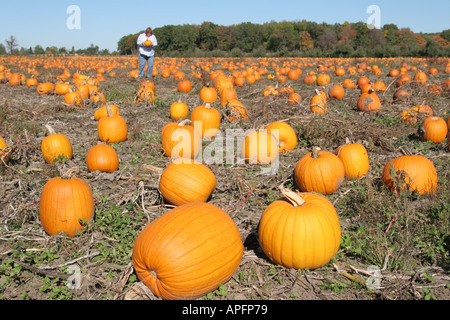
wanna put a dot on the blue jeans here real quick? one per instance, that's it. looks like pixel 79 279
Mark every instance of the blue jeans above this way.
pixel 142 61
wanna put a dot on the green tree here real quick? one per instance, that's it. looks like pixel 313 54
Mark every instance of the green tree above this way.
pixel 248 36
pixel 284 37
pixel 446 34
pixel 207 36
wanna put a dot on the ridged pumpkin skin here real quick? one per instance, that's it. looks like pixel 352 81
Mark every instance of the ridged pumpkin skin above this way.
pixel 103 112
pixel 355 159
pixel 180 140
pixel 207 119
pixel 102 157
pixel 112 128
pixel 55 146
pixel 416 172
pixel 186 180
pixel 179 110
pixel 319 171
pixel 433 129
pixel 63 203
pixel 303 236
pixel 259 147
pixel 188 251
pixel 285 134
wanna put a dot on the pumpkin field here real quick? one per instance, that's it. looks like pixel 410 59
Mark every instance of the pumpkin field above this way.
pixel 309 178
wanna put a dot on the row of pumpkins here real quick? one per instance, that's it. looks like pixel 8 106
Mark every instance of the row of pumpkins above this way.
pixel 191 249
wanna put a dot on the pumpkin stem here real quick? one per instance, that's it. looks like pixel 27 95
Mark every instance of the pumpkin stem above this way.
pixel 50 129
pixel 208 105
pixel 347 140
pixel 184 122
pixel 315 152
pixel 152 168
pixel 292 196
pixel 68 173
pixel 109 110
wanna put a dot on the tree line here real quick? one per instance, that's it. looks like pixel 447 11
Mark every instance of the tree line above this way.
pixel 299 38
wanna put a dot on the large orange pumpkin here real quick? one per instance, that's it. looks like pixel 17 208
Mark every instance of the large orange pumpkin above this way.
pixel 188 251
pixel 300 231
pixel 66 205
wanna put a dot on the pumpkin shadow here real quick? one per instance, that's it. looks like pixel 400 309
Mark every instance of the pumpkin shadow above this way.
pixel 251 243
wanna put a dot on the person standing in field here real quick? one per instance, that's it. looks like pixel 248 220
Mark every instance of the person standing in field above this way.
pixel 146 43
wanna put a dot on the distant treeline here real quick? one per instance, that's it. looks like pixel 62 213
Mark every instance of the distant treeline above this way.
pixel 299 38
pixel 302 38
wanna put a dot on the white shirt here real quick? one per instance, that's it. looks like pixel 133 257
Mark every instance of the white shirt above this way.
pixel 147 51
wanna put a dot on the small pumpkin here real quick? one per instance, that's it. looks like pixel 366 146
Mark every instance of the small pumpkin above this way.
pixel 178 110
pixel 355 159
pixel 184 86
pixel 433 129
pixel 102 157
pixel 420 78
pixel 73 99
pixel 323 79
pixel 294 98
pixel 319 171
pixel 369 102
pixel 285 135
pixel 63 88
pixel 56 147
pixel 45 88
pixel 112 128
pixel 318 103
pixel 148 43
pixel 66 205
pixel 336 92
pixel 259 147
pixel 414 172
pixel 185 180
pixel 300 231
pixel 188 251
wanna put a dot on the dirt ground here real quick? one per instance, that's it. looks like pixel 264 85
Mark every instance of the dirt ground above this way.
pixel 34 264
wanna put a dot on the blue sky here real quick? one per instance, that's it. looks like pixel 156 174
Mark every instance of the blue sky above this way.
pixel 103 23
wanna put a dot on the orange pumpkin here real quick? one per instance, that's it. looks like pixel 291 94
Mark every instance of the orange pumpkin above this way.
pixel 336 92
pixel 178 110
pixel 66 205
pixel 4 151
pixel 285 135
pixel 56 147
pixel 259 147
pixel 369 102
pixel 102 157
pixel 413 172
pixel 112 128
pixel 206 119
pixel 181 140
pixel 355 159
pixel 185 180
pixel 188 251
pixel 433 129
pixel 319 171
pixel 313 226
